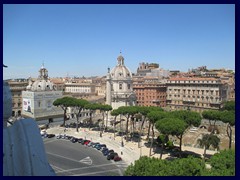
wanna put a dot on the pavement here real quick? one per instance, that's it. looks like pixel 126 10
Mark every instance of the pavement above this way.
pixel 129 152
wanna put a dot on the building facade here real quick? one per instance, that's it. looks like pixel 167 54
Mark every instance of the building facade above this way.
pixel 119 86
pixel 150 93
pixel 39 97
pixel 197 94
pixel 16 87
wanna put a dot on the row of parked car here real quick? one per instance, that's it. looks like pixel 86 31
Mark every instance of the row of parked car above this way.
pixel 109 153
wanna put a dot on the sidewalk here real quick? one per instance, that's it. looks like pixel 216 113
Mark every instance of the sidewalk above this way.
pixel 129 153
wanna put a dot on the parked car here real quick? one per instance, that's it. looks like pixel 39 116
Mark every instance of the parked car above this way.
pixel 90 144
pixel 73 139
pixel 107 151
pixel 86 142
pixel 117 158
pixel 68 137
pixel 80 140
pixel 95 144
pixel 100 146
pixel 104 149
pixel 111 156
pixel 50 135
pixel 59 136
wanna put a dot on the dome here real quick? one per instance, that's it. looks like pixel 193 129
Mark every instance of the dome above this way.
pixel 42 85
pixel 120 72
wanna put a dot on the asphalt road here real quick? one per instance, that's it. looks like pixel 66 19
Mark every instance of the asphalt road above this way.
pixel 74 159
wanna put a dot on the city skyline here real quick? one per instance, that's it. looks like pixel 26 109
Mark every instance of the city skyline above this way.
pixel 84 40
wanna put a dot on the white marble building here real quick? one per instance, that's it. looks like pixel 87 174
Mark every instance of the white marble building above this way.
pixel 119 86
pixel 37 100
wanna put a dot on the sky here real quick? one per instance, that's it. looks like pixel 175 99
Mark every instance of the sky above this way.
pixel 84 40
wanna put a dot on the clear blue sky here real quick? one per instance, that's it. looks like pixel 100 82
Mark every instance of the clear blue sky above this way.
pixel 84 40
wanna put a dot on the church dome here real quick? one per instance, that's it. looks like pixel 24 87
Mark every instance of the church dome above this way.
pixel 42 83
pixel 120 71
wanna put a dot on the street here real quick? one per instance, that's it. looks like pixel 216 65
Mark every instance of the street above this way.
pixel 74 159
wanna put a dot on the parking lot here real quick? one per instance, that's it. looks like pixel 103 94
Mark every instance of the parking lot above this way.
pixel 75 159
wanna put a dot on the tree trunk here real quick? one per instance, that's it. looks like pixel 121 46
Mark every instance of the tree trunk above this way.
pixel 180 143
pixel 106 121
pixel 64 116
pixel 204 153
pixel 149 127
pixel 161 153
pixel 90 120
pixel 151 141
pixel 142 123
pixel 77 122
pixel 102 123
pixel 114 127
pixel 127 128
pixel 229 133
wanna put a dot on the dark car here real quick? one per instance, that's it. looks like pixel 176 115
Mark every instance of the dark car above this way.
pixel 100 146
pixel 73 139
pixel 117 158
pixel 51 135
pixel 68 137
pixel 104 149
pixel 111 156
pixel 108 152
pixel 80 140
pixel 95 144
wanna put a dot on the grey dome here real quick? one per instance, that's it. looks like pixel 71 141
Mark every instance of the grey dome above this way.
pixel 42 85
pixel 120 71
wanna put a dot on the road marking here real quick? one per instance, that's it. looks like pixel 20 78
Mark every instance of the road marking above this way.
pixel 84 174
pixel 62 157
pixel 75 169
pixel 57 169
pixel 86 160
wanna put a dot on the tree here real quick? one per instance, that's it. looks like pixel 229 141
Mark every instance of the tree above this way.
pixel 91 107
pixel 229 106
pixel 223 163
pixel 172 126
pixel 115 113
pixel 64 103
pixel 150 109
pixel 79 105
pixel 153 117
pixel 207 141
pixel 128 112
pixel 190 117
pixel 229 118
pixel 104 108
pixel 146 166
pixel 212 115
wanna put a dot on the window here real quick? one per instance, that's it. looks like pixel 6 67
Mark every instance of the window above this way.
pixel 120 86
pixel 129 86
pixel 49 104
pixel 39 103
